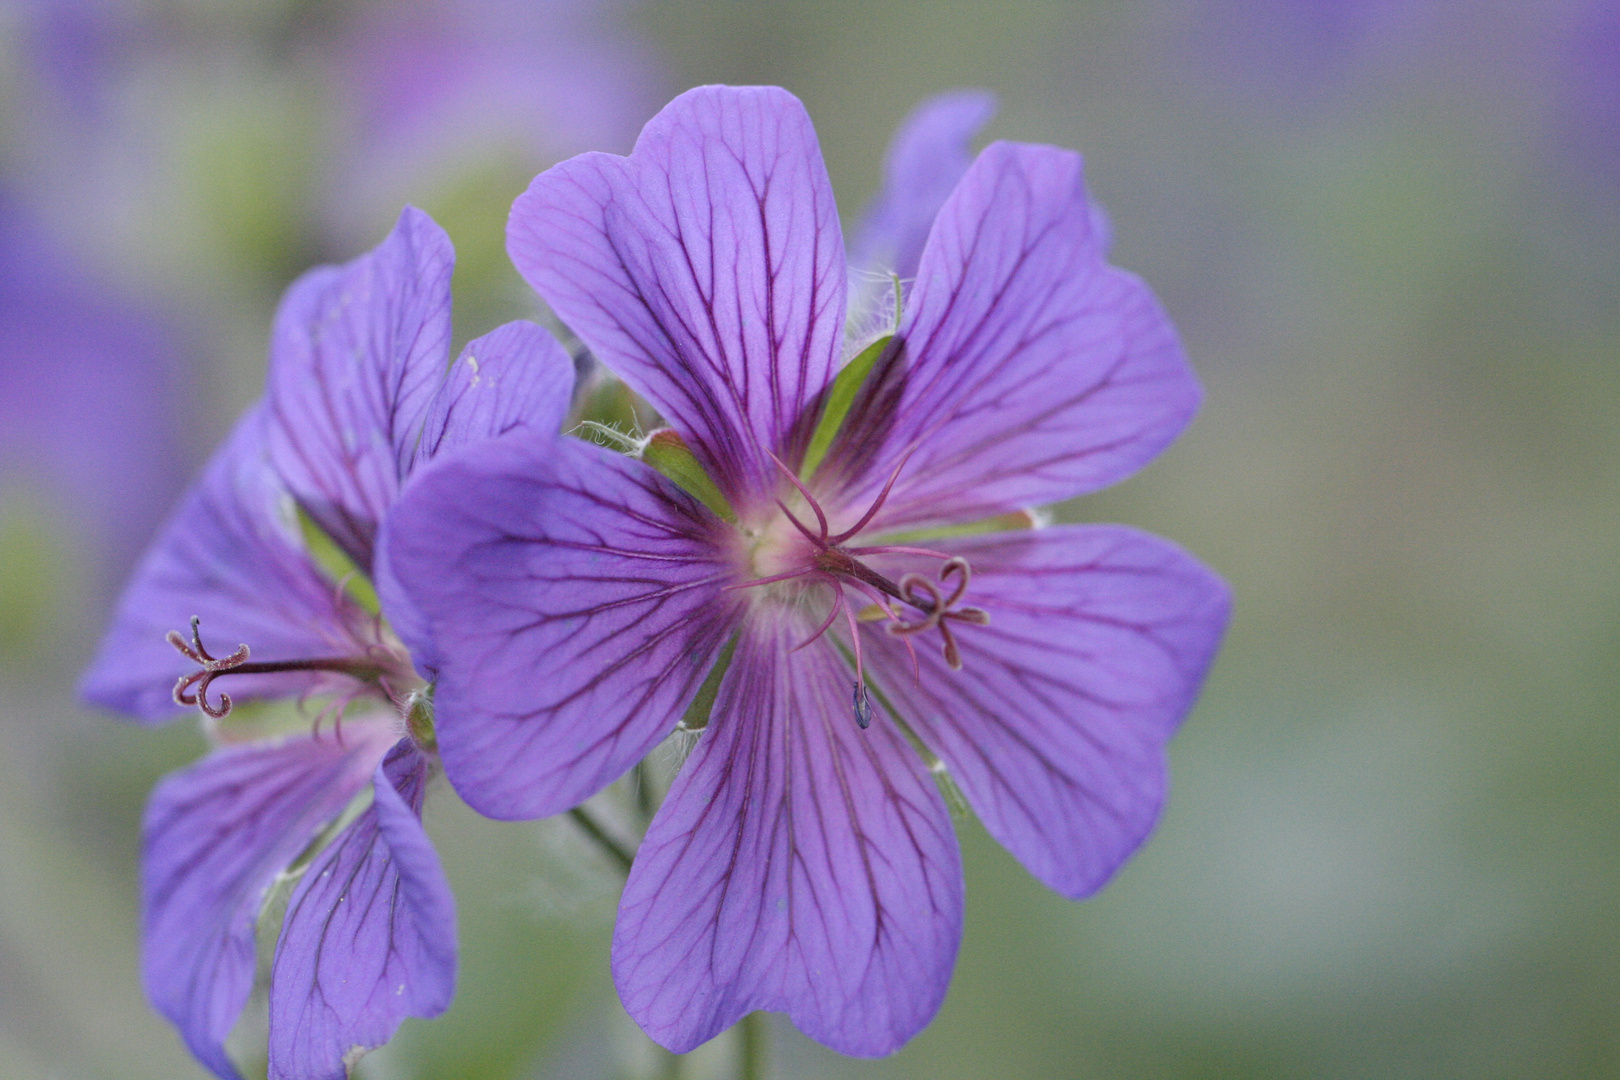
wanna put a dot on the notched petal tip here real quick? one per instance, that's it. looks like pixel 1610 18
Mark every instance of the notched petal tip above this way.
pixel 799 864
pixel 707 270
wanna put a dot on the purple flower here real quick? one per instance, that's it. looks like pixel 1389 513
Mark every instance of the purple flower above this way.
pixel 89 393
pixel 843 597
pixel 357 398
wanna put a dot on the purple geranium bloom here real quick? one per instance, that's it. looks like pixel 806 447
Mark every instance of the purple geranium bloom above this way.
pixel 357 398
pixel 808 599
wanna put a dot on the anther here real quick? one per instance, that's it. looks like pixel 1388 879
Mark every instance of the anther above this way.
pixel 863 706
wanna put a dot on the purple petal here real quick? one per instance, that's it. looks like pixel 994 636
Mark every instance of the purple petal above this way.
pixel 516 377
pixel 357 353
pixel 1031 371
pixel 574 597
pixel 928 156
pixel 229 557
pixel 798 864
pixel 370 934
pixel 706 269
pixel 215 835
pixel 1055 727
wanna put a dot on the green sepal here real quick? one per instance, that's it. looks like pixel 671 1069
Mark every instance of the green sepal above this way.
pixel 336 564
pixel 840 397
pixel 1015 521
pixel 696 717
pixel 666 451
pixel 419 717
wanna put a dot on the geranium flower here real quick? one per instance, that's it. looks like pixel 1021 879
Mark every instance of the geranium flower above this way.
pixel 842 596
pixel 357 398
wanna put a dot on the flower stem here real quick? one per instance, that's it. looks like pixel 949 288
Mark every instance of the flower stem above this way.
pixel 594 830
pixel 669 1065
pixel 751 1047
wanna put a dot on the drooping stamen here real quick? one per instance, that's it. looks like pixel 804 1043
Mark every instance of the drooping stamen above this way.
pixel 821 518
pixel 237 664
pixel 863 702
pixel 837 606
pixel 877 503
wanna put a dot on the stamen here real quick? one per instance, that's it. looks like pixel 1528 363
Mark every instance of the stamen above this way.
pixel 863 706
pixel 863 703
pixel 809 498
pixel 838 605
pixel 878 503
pixel 819 541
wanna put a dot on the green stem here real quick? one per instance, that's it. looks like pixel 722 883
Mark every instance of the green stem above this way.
pixel 751 1047
pixel 669 1065
pixel 644 795
pixel 594 830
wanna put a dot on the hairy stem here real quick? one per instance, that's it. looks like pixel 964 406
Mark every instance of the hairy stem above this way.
pixel 751 1047
pixel 592 828
pixel 668 1064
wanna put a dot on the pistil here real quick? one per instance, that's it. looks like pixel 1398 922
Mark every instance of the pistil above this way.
pixel 830 563
pixel 237 663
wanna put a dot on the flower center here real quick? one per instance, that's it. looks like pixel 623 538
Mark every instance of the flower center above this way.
pixel 786 555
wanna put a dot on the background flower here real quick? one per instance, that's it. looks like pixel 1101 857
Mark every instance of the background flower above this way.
pixel 358 395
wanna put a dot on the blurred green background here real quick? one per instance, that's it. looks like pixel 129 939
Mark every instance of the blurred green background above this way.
pixel 1390 236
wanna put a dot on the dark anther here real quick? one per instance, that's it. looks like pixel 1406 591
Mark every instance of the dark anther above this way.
pixel 863 706
pixel 212 669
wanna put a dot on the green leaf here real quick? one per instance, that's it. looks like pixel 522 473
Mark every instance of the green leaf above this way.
pixel 839 399
pixel 666 451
